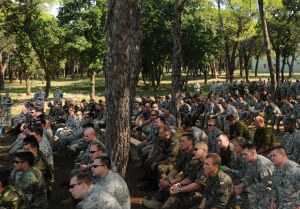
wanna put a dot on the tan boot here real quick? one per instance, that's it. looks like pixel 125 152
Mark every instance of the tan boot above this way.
pixel 153 204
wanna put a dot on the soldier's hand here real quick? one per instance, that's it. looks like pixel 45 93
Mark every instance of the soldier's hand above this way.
pixel 163 184
pixel 273 204
pixel 174 189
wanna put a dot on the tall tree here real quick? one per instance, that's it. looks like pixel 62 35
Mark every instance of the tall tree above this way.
pixel 177 59
pixel 118 82
pixel 267 45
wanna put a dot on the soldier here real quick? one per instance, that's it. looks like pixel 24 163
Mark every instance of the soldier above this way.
pixel 6 105
pixel 219 191
pixel 198 134
pixel 286 180
pixel 244 109
pixel 30 180
pixel 11 197
pixel 183 191
pixel 237 128
pixel 271 111
pixel 213 132
pixel 296 110
pixel 170 120
pixel 57 95
pixel 40 162
pixel 258 178
pixel 263 138
pixel 111 181
pixel 286 112
pixel 226 152
pixel 91 196
pixel 228 109
pixel 39 97
pixel 197 89
pixel 208 111
pixel 291 140
pixel 184 109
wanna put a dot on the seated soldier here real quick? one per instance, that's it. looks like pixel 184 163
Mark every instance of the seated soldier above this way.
pixel 237 128
pixel 198 134
pixel 11 197
pixel 219 191
pixel 185 191
pixel 263 138
pixel 163 153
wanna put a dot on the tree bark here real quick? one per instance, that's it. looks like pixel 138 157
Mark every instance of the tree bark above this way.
pixel 177 61
pixel 3 66
pixel 291 65
pixel 28 86
pixel 135 49
pixel 92 84
pixel 118 82
pixel 267 45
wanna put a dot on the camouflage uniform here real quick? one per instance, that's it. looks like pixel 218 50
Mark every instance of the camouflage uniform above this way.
pixel 6 105
pixel 57 96
pixel 286 185
pixel 239 129
pixel 13 198
pixel 41 163
pixel 296 113
pixel 237 169
pixel 244 110
pixel 228 156
pixel 39 99
pixel 194 172
pixel 258 181
pixel 271 112
pixel 263 138
pixel 291 142
pixel 287 111
pixel 116 185
pixel 98 198
pixel 212 141
pixel 198 134
pixel 32 183
pixel 230 109
pixel 171 121
pixel 46 149
pixel 208 111
pixel 218 192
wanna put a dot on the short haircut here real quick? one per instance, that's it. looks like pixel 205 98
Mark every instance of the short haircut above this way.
pixel 5 178
pixel 105 160
pixel 99 145
pixel 188 135
pixel 223 134
pixel 249 146
pixel 155 112
pixel 291 120
pixel 88 125
pixel 203 145
pixel 91 130
pixel 280 149
pixel 187 124
pixel 240 141
pixel 26 157
pixel 32 141
pixel 162 118
pixel 83 178
pixel 216 159
pixel 90 114
pixel 230 117
pixel 38 130
pixel 260 119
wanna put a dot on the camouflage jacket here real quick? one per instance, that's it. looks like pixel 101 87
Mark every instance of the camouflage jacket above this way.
pixel 98 198
pixel 291 142
pixel 13 198
pixel 32 183
pixel 116 185
pixel 286 184
pixel 218 191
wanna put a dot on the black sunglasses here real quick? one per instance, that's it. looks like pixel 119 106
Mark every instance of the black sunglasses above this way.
pixel 95 166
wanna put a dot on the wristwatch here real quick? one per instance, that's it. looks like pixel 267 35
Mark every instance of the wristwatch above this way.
pixel 180 189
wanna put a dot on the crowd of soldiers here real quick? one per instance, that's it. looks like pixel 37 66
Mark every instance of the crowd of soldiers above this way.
pixel 216 162
pixel 69 130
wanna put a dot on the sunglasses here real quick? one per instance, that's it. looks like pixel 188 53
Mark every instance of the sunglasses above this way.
pixel 92 152
pixel 17 162
pixel 95 166
pixel 196 149
pixel 210 125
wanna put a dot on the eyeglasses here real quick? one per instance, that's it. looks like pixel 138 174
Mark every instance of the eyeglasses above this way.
pixel 153 115
pixel 211 125
pixel 17 162
pixel 196 149
pixel 73 185
pixel 92 152
pixel 31 112
pixel 95 166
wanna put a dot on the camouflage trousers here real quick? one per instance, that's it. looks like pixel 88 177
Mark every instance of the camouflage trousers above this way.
pixel 182 200
pixel 259 199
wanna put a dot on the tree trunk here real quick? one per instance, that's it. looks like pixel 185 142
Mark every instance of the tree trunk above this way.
pixel 28 86
pixel 256 64
pixel 177 60
pixel 267 45
pixel 277 67
pixel 291 65
pixel 135 52
pixel 283 66
pixel 241 60
pixel 92 84
pixel 3 66
pixel 118 82
pixel 48 85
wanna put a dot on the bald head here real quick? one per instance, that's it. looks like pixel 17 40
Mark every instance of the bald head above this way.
pixel 90 134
